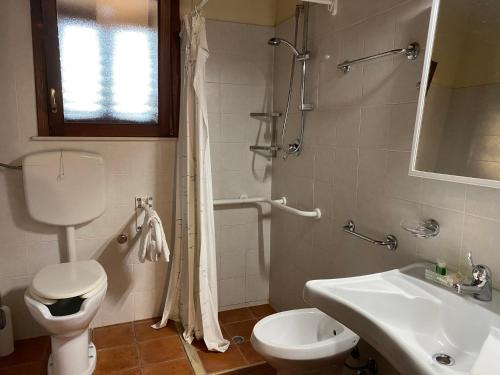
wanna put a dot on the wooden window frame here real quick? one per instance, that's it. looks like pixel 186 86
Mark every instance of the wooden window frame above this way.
pixel 48 76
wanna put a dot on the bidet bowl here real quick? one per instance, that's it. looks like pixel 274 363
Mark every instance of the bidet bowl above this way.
pixel 301 341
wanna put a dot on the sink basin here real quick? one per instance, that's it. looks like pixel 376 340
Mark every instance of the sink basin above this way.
pixel 409 319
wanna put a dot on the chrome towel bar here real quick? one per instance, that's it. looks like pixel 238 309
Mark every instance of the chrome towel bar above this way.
pixel 411 53
pixel 391 242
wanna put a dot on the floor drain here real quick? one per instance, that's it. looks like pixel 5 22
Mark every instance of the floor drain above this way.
pixel 443 359
pixel 238 339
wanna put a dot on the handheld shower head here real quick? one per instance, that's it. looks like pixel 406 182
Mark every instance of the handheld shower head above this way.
pixel 277 41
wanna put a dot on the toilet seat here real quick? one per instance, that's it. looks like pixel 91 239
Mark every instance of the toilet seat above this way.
pixel 68 280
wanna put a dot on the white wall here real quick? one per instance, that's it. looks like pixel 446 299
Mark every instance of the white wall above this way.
pixel 133 168
pixel 239 75
pixel 239 81
pixel 356 158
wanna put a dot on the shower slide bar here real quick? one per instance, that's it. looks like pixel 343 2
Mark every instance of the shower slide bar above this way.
pixel 278 203
pixel 411 52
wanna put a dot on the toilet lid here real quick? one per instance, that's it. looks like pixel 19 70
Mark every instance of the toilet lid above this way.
pixel 68 280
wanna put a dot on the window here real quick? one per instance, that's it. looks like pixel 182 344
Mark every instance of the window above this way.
pixel 106 67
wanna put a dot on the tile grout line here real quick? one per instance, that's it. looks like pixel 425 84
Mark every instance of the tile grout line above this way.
pixel 191 353
pixel 236 369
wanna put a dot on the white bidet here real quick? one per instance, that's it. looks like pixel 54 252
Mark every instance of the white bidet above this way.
pixel 304 341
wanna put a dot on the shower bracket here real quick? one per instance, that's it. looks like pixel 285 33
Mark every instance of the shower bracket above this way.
pixel 304 107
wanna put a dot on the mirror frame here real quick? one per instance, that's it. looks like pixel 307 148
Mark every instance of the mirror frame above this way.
pixel 420 112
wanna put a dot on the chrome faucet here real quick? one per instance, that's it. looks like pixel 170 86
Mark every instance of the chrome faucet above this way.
pixel 481 285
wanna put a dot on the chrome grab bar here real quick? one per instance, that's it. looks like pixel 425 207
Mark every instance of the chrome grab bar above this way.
pixel 391 242
pixel 411 53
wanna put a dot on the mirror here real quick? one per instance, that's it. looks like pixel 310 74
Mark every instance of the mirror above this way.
pixel 457 133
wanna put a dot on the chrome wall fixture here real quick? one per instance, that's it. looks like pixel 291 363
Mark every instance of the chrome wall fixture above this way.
pixel 411 52
pixel 390 241
pixel 299 55
pixel 140 203
pixel 274 147
pixel 422 228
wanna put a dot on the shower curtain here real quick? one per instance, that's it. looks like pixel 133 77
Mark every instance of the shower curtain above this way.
pixel 192 290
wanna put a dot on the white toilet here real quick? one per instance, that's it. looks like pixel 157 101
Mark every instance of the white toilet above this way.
pixel 304 341
pixel 66 188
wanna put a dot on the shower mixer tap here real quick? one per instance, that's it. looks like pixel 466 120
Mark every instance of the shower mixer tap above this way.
pixel 292 149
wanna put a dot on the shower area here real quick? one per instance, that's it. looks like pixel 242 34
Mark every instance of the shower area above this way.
pixel 308 117
pixel 258 103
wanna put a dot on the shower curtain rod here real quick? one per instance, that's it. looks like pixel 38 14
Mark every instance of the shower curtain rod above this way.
pixel 278 203
pixel 332 5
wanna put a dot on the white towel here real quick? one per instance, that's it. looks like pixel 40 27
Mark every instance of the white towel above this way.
pixel 153 244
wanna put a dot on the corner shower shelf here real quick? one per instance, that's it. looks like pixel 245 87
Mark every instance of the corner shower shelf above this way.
pixel 278 203
pixel 273 148
pixel 268 115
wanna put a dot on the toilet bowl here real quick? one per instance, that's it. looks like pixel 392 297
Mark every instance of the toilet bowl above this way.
pixel 64 298
pixel 304 341
pixel 66 189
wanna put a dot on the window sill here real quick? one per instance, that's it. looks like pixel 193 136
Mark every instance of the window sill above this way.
pixel 102 139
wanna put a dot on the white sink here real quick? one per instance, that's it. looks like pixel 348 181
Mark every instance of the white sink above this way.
pixel 408 319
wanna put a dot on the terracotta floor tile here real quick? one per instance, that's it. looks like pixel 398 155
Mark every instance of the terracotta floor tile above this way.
pixel 133 371
pixel 199 344
pixel 176 367
pixel 116 359
pixel 249 353
pixel 263 369
pixel 232 316
pixel 31 350
pixel 144 331
pixel 108 337
pixel 34 368
pixel 240 329
pixel 262 311
pixel 160 350
pixel 215 362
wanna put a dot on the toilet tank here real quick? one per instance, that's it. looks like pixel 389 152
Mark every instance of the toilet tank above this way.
pixel 64 188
